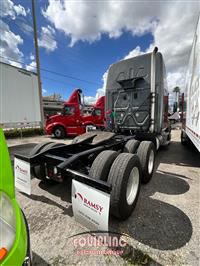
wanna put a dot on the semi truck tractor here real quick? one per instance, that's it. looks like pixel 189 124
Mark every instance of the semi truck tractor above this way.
pixel 191 97
pixel 115 161
pixel 72 121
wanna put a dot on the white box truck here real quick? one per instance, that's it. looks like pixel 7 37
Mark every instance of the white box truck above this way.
pixel 191 97
pixel 19 97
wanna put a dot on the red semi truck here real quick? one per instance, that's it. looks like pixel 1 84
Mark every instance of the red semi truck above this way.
pixel 72 121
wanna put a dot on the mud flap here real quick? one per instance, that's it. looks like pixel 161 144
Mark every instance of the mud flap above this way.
pixel 90 206
pixel 90 203
pixel 22 170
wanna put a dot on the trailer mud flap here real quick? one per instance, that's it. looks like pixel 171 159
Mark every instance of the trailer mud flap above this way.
pixel 22 176
pixel 90 206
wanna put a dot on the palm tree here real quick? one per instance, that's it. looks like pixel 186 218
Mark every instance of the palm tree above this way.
pixel 177 91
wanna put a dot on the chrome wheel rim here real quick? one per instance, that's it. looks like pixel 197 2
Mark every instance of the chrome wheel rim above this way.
pixel 57 133
pixel 132 186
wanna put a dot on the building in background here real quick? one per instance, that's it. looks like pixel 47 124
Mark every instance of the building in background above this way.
pixel 52 104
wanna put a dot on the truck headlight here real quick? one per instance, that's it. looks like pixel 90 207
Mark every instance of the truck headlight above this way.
pixel 7 225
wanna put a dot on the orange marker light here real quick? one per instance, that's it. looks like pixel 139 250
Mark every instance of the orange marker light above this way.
pixel 3 252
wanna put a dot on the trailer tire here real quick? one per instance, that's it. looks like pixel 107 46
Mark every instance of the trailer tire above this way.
pixel 131 146
pixel 124 177
pixel 146 153
pixel 40 169
pixel 59 132
pixel 101 165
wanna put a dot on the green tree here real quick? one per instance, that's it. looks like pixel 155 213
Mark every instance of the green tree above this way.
pixel 177 91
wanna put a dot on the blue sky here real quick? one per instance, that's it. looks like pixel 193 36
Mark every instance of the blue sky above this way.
pixel 81 39
pixel 87 61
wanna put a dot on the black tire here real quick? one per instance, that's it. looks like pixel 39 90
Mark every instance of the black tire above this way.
pixel 118 177
pixel 131 146
pixel 34 151
pixel 144 151
pixel 59 132
pixel 101 165
pixel 39 170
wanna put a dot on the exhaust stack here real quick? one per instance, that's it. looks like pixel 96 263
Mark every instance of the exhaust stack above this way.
pixel 153 88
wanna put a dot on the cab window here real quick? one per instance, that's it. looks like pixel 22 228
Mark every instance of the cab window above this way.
pixel 97 112
pixel 69 110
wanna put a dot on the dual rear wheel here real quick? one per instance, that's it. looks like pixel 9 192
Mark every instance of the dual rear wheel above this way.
pixel 123 173
pixel 146 151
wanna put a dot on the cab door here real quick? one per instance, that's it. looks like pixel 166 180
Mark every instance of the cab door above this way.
pixel 69 115
pixel 98 116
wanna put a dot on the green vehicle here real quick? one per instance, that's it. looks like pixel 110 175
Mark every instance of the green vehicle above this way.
pixel 14 232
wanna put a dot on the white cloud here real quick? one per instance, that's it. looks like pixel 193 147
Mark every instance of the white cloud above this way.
pixel 32 57
pixel 8 8
pixel 172 25
pixel 44 91
pixel 10 42
pixel 47 40
pixel 89 99
pixel 100 92
pixel 31 66
pixel 9 45
pixel 86 21
pixel 28 11
pixel 135 52
pixel 20 10
pixel 176 79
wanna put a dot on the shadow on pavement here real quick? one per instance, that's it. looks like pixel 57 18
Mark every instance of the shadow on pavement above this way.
pixel 159 225
pixel 66 211
pixel 156 223
pixel 179 155
pixel 37 260
pixel 166 183
pixel 61 190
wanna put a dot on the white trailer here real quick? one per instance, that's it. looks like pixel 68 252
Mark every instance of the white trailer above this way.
pixel 191 119
pixel 19 97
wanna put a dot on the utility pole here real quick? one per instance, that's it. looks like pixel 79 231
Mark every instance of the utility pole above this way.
pixel 37 63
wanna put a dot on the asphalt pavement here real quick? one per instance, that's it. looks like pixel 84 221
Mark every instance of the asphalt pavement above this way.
pixel 163 228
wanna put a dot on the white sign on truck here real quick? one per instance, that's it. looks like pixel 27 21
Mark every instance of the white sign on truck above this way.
pixel 90 206
pixel 22 176
pixel 19 97
pixel 192 92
